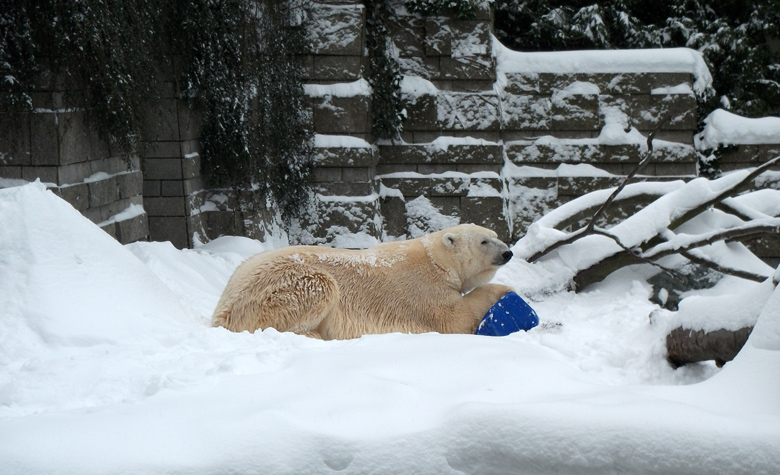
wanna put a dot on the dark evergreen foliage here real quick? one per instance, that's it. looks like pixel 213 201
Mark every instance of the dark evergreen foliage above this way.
pixel 738 39
pixel 240 70
pixel 383 74
pixel 463 9
pixel 103 53
pixel 237 59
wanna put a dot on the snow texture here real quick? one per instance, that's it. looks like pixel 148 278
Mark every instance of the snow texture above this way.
pixel 108 365
pixel 724 128
pixel 666 60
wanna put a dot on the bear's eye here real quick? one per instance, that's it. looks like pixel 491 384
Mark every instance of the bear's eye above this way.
pixel 484 242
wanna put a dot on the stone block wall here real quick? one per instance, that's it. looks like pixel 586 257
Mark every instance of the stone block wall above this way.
pixel 481 143
pixel 53 144
pixel 478 145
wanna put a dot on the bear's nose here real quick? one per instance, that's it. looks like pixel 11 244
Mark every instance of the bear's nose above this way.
pixel 507 255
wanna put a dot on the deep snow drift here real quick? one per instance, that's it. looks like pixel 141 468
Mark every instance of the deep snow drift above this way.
pixel 108 365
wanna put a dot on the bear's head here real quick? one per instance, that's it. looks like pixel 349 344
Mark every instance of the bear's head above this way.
pixel 471 252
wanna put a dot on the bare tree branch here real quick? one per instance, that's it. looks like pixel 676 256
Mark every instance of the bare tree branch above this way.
pixel 748 230
pixel 603 208
pixel 700 259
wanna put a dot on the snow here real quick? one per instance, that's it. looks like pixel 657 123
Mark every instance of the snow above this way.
pixel 343 89
pixel 108 365
pixel 666 60
pixel 725 128
pixel 339 141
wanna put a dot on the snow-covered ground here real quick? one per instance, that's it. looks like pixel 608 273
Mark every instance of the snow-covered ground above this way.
pixel 108 365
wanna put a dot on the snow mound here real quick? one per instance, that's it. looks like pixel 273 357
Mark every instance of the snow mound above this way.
pixel 725 128
pixel 108 365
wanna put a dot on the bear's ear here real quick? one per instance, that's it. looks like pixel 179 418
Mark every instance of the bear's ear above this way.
pixel 449 240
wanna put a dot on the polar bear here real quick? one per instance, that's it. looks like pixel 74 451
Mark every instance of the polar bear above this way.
pixel 436 283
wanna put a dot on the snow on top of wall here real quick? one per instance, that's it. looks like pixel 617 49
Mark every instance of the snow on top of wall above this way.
pixel 416 86
pixel 339 141
pixel 725 128
pixel 667 60
pixel 344 89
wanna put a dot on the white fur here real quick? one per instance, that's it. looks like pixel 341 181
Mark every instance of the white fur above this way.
pixel 412 286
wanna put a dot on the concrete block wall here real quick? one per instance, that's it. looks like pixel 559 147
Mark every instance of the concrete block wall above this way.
pixel 476 147
pixel 55 145
pixel 495 153
pixel 171 170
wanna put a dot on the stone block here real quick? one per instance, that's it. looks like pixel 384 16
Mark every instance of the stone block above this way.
pixel 189 122
pixel 171 188
pixel 646 83
pixel 336 68
pixel 344 189
pixel 675 169
pixel 11 172
pixel 473 68
pixel 468 111
pixel 674 153
pixel 421 112
pixel 434 168
pixel 438 36
pixel 519 84
pixel 648 111
pixel 526 112
pixel 220 223
pixel 393 209
pixel 428 67
pixel 447 205
pixel 345 156
pixel 341 115
pixel 162 149
pixel 164 206
pixel 327 175
pixel 433 154
pixel 130 184
pixel 152 188
pixel 336 29
pixel 45 174
pixel 389 169
pixel 193 185
pixel 407 34
pixel 110 229
pixel 621 153
pixel 173 229
pixel 471 168
pixel 581 185
pixel 337 218
pixel 450 186
pixel 163 122
pixel 102 192
pixel 767 152
pixel 747 154
pixel 306 62
pixel 487 212
pixel 133 229
pixel 15 142
pixel 77 195
pixel 44 139
pixel 190 165
pixel 74 173
pixel 114 165
pixel 412 187
pixel 471 39
pixel 357 175
pixel 574 112
pixel 162 169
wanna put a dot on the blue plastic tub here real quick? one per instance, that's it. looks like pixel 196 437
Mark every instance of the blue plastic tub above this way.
pixel 509 315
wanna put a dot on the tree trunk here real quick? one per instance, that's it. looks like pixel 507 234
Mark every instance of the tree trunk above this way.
pixel 688 346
